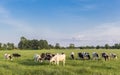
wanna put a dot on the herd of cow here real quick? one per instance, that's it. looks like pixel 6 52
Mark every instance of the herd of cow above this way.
pixel 56 58
pixel 52 58
pixel 95 56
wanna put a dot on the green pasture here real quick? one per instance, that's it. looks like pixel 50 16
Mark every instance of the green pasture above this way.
pixel 25 65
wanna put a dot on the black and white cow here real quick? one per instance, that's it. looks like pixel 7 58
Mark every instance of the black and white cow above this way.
pixel 72 55
pixel 16 55
pixel 95 56
pixel 84 55
pixel 37 58
pixel 8 56
pixel 105 56
pixel 43 56
pixel 113 56
pixel 80 55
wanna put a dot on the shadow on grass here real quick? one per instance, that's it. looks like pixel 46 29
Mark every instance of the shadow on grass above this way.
pixel 30 62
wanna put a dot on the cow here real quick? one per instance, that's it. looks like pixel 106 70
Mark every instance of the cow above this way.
pixel 113 56
pixel 46 56
pixel 95 56
pixel 37 58
pixel 80 55
pixel 105 56
pixel 43 56
pixel 84 55
pixel 72 55
pixel 58 58
pixel 16 55
pixel 8 56
pixel 49 56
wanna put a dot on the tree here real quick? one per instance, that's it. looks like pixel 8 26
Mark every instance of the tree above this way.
pixel 43 44
pixel 107 46
pixel 34 44
pixel 71 46
pixel 23 44
pixel 46 46
pixel 57 46
pixel 4 47
pixel 10 46
pixel 97 47
pixel 51 46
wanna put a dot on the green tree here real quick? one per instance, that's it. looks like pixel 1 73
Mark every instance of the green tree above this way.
pixel 57 46
pixel 107 46
pixel 4 47
pixel 34 44
pixel 23 44
pixel 117 46
pixel 71 46
pixel 97 47
pixel 10 46
pixel 43 44
pixel 51 46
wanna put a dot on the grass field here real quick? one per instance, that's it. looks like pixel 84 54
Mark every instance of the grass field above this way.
pixel 25 65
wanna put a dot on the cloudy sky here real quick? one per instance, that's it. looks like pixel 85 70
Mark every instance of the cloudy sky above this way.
pixel 82 22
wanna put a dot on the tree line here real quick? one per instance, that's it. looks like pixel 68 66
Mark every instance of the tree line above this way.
pixel 34 44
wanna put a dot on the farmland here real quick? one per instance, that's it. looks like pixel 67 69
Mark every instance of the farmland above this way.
pixel 25 65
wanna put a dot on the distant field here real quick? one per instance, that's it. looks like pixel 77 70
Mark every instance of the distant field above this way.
pixel 25 65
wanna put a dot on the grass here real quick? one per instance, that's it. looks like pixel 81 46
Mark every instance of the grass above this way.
pixel 25 65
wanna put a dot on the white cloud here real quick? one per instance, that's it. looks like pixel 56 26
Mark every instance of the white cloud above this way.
pixel 20 28
pixel 102 34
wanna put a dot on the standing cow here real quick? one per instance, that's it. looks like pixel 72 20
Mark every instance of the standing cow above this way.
pixel 7 56
pixel 37 58
pixel 84 55
pixel 58 58
pixel 80 55
pixel 95 56
pixel 105 56
pixel 72 55
pixel 16 55
pixel 113 56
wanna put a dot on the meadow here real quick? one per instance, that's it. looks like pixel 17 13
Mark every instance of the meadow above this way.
pixel 25 65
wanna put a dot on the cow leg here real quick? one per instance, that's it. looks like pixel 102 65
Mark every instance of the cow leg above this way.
pixel 72 56
pixel 105 58
pixel 57 62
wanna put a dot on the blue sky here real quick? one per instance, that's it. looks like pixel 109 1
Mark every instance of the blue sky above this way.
pixel 82 22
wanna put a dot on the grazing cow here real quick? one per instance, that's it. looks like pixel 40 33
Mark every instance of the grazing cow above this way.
pixel 113 56
pixel 37 58
pixel 7 56
pixel 43 55
pixel 57 58
pixel 16 55
pixel 95 56
pixel 80 55
pixel 49 56
pixel 105 56
pixel 84 56
pixel 46 56
pixel 72 55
